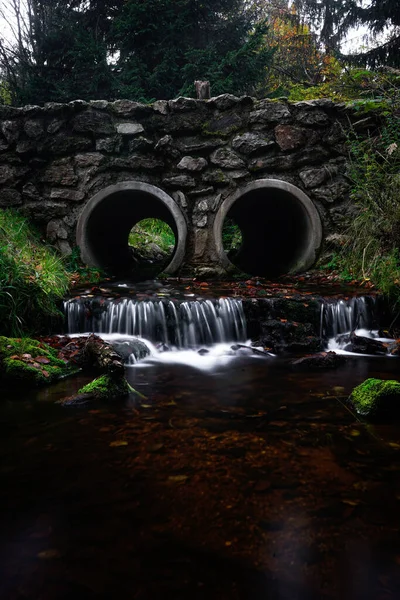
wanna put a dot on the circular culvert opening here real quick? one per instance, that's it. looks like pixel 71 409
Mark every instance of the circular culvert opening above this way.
pixel 106 222
pixel 280 226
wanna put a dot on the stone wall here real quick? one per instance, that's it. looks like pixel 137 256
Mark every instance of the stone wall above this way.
pixel 53 159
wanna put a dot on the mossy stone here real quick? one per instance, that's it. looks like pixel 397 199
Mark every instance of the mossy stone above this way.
pixel 28 360
pixel 106 387
pixel 376 398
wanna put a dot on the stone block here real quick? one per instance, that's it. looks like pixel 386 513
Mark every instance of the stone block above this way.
pixel 270 112
pixel 110 145
pixel 33 128
pixel 274 163
pixel 90 159
pixel 55 125
pixel 250 143
pixel 199 220
pixel 10 197
pixel 127 108
pixel 180 198
pixel 223 124
pixel 179 181
pixel 216 177
pixel 289 137
pixel 140 143
pixel 10 130
pixel 182 104
pixel 312 117
pixel 66 194
pixel 312 178
pixel 223 102
pixel 223 157
pixel 335 190
pixel 55 230
pixel 60 173
pixel 161 106
pixel 129 128
pixel 198 144
pixel 7 174
pixel 92 121
pixel 188 163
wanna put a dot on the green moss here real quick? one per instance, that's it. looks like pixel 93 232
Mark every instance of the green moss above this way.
pixel 106 388
pixel 18 361
pixel 375 398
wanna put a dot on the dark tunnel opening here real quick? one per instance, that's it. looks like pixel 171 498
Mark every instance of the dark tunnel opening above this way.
pixel 281 229
pixel 107 219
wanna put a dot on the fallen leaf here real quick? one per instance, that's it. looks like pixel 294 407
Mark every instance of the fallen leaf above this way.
pixel 177 478
pixel 118 443
pixel 49 554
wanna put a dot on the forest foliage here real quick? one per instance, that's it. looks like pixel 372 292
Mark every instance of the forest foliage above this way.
pixel 60 50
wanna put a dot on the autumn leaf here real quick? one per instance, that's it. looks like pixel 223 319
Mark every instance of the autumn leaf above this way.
pixel 118 443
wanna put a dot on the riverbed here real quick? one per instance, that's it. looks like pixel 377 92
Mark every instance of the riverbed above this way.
pixel 235 479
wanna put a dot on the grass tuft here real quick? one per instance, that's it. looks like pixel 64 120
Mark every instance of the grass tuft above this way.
pixel 32 279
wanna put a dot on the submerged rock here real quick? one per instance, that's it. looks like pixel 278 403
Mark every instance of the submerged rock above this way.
pixel 322 360
pixel 375 399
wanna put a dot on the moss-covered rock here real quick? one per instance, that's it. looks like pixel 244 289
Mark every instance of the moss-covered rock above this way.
pixel 106 387
pixel 28 360
pixel 375 399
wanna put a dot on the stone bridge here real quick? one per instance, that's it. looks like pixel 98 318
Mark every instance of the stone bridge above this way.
pixel 85 173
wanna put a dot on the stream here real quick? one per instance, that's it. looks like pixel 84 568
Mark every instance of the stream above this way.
pixel 236 478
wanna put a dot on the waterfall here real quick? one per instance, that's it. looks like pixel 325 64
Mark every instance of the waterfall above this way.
pixel 186 324
pixel 343 316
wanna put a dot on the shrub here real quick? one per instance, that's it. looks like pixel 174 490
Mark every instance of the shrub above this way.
pixel 372 249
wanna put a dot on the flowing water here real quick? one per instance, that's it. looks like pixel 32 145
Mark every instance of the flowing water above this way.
pixel 236 478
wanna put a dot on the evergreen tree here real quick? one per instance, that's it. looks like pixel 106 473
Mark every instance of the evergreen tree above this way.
pixel 166 44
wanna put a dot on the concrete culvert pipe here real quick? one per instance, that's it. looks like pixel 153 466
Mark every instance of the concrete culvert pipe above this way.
pixel 108 217
pixel 281 229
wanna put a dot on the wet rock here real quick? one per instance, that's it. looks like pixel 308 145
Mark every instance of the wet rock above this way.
pixel 127 348
pixel 283 336
pixel 7 173
pixel 322 360
pixel 364 345
pixel 376 399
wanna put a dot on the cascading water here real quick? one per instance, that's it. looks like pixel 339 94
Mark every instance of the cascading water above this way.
pixel 343 316
pixel 186 324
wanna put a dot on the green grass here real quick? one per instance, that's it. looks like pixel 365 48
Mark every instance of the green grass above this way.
pixel 32 279
pixel 153 231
